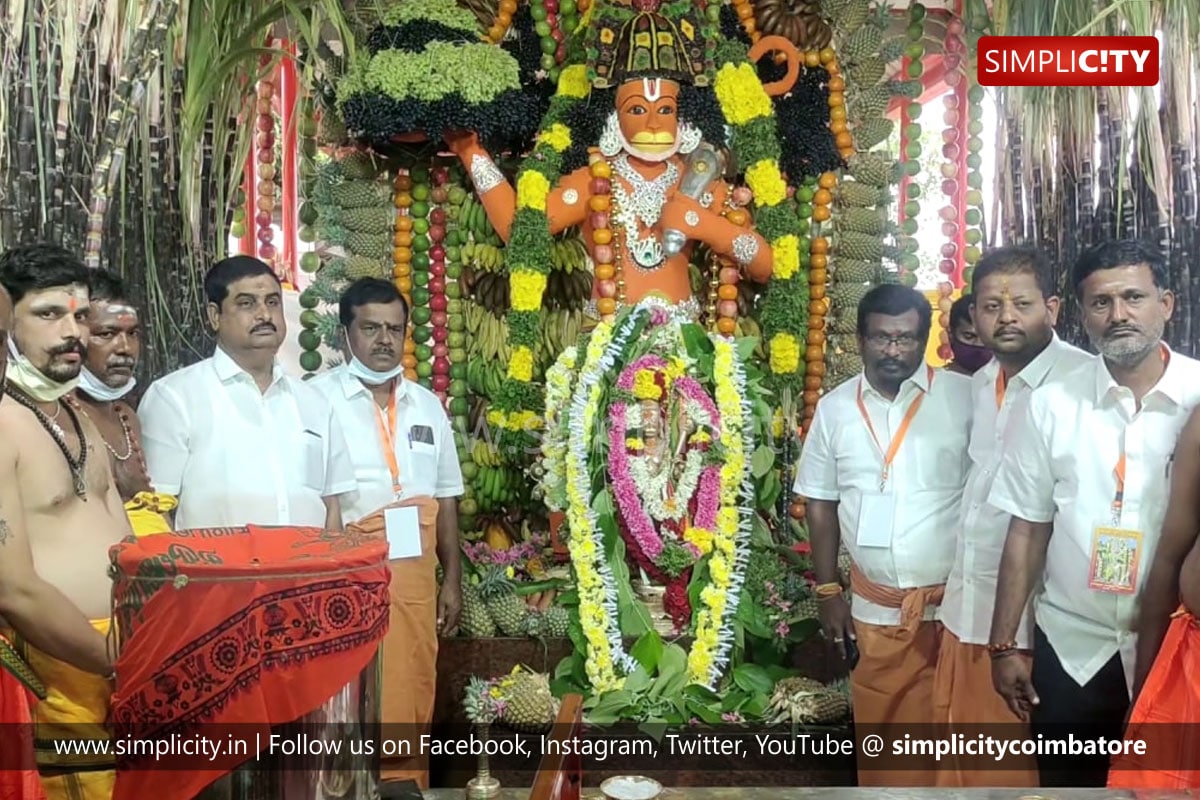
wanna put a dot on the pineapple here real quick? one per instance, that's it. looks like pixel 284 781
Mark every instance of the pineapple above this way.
pixel 368 220
pixel 805 701
pixel 358 194
pixel 476 623
pixel 846 296
pixel 534 624
pixel 876 168
pixel 867 72
pixel 363 267
pixel 849 270
pixel 359 165
pixel 862 44
pixel 855 245
pixel 557 621
pixel 860 220
pixel 370 245
pixel 853 193
pixel 529 705
pixel 846 323
pixel 506 609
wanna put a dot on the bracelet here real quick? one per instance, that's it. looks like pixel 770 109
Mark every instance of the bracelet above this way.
pixel 999 650
pixel 826 590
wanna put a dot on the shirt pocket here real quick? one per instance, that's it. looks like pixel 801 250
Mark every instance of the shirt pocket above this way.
pixel 314 462
pixel 425 461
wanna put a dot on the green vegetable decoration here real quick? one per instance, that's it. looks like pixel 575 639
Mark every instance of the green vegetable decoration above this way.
pixel 429 69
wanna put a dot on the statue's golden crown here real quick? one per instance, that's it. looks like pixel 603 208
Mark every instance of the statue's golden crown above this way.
pixel 631 39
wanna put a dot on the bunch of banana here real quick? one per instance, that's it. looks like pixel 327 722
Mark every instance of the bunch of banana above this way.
pixel 569 254
pixel 485 455
pixel 799 21
pixel 482 256
pixel 485 376
pixel 473 218
pixel 560 330
pixel 473 314
pixel 491 291
pixel 490 340
pixel 568 290
pixel 496 487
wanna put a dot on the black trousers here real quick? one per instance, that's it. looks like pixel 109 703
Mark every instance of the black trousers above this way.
pixel 1065 708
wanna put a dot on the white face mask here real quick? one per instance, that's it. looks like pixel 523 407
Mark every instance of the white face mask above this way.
pixel 30 380
pixel 97 389
pixel 370 376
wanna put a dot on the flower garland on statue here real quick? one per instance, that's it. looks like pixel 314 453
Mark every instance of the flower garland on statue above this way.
pixel 560 382
pixel 595 583
pixel 749 112
pixel 731 535
pixel 518 408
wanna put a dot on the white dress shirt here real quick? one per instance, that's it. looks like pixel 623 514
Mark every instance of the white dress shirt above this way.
pixel 427 459
pixel 1059 467
pixel 841 462
pixel 971 590
pixel 235 455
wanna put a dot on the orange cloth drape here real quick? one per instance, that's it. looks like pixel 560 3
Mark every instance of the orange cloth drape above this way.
pixel 232 630
pixel 411 646
pixel 18 767
pixel 965 701
pixel 893 682
pixel 1166 716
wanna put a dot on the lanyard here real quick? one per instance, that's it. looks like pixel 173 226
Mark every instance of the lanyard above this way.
pixel 387 438
pixel 901 432
pixel 1001 388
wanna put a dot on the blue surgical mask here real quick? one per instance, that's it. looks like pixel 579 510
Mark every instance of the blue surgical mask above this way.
pixel 370 376
pixel 97 389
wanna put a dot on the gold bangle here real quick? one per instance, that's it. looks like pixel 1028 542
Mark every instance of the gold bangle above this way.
pixel 827 590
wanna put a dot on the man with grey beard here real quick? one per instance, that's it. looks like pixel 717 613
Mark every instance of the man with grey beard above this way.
pixel 1085 477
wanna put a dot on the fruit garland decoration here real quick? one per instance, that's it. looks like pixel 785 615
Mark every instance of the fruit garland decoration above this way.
pixel 422 246
pixel 801 22
pixel 503 21
pixel 553 21
pixel 264 142
pixel 310 261
pixel 952 180
pixel 815 212
pixel 402 259
pixel 856 250
pixel 749 114
pixel 430 70
pixel 977 23
pixel 438 301
pixel 910 158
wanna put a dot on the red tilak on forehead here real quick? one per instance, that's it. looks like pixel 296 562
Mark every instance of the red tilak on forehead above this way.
pixel 73 304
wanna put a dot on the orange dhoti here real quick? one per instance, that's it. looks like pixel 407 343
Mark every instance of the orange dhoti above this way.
pixel 19 688
pixel 410 647
pixel 965 702
pixel 1165 716
pixel 893 682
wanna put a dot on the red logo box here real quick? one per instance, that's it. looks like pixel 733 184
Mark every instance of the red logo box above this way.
pixel 1068 61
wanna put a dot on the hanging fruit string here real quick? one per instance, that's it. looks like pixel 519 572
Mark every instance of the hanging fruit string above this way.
pixel 422 309
pixel 972 122
pixel 745 13
pixel 438 302
pixel 553 21
pixel 265 143
pixel 503 21
pixel 402 256
pixel 910 158
pixel 728 275
pixel 610 282
pixel 952 179
pixel 449 194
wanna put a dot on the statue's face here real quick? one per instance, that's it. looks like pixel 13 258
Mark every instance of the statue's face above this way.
pixel 648 112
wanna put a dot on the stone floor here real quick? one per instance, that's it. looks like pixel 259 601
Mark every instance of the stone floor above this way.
pixel 779 793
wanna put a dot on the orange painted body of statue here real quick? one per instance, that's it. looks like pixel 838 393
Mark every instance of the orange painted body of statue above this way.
pixel 646 169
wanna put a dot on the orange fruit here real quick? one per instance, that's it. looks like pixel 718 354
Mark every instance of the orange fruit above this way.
pixel 738 217
pixel 836 99
pixel 837 84
pixel 816 322
pixel 843 140
pixel 727 291
pixel 828 180
pixel 820 213
pixel 818 307
pixel 602 236
pixel 404 284
pixel 827 55
pixel 816 368
pixel 811 397
pixel 816 337
pixel 812 383
pixel 838 114
pixel 601 169
pixel 814 353
pixel 403 199
pixel 598 202
pixel 403 183
pixel 605 272
pixel 403 223
pixel 409 361
pixel 402 239
pixel 606 305
pixel 818 276
pixel 818 262
pixel 726 326
pixel 819 245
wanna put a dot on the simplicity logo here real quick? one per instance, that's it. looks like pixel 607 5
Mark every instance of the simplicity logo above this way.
pixel 1068 61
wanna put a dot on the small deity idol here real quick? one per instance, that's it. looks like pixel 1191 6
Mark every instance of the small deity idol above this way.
pixel 649 60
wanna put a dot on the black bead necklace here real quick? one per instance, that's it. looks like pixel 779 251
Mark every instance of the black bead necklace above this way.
pixel 56 433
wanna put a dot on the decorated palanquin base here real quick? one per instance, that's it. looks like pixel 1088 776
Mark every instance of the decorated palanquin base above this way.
pixel 237 630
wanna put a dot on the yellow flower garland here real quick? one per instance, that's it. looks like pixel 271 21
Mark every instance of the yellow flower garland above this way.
pixel 786 253
pixel 557 137
pixel 722 566
pixel 785 353
pixel 585 555
pixel 522 364
pixel 741 94
pixel 527 289
pixel 573 82
pixel 532 191
pixel 766 181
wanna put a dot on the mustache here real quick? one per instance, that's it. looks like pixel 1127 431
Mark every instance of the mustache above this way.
pixel 1115 329
pixel 73 346
pixel 1003 331
pixel 121 362
pixel 383 350
pixel 891 362
pixel 266 326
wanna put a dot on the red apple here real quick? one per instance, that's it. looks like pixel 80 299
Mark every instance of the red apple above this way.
pixel 950 101
pixel 266 123
pixel 439 195
pixel 948 250
pixel 950 152
pixel 265 235
pixel 437 268
pixel 441 366
pixel 437 285
pixel 440 334
pixel 950 135
pixel 603 254
pixel 948 213
pixel 440 383
pixel 438 319
pixel 437 302
pixel 438 215
pixel 600 220
pixel 947 266
pixel 949 229
pixel 437 253
pixel 263 218
pixel 437 233
pixel 441 351
pixel 607 288
pixel 949 187
pixel 729 275
pixel 953 78
pixel 266 156
pixel 266 252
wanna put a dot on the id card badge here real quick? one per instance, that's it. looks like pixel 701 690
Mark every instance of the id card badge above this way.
pixel 403 526
pixel 1116 557
pixel 875 520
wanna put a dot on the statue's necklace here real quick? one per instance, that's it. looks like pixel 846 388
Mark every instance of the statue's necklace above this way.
pixel 642 206
pixel 77 465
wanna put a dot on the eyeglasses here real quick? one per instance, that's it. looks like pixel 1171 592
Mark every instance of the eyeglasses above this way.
pixel 904 341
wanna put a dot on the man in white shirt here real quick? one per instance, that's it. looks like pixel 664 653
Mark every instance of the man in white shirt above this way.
pixel 1015 307
pixel 883 469
pixel 233 437
pixel 1088 461
pixel 405 460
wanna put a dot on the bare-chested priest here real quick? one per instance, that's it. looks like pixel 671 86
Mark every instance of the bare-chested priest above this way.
pixel 62 513
pixel 113 346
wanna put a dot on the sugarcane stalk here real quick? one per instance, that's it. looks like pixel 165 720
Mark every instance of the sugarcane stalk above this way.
pixel 155 21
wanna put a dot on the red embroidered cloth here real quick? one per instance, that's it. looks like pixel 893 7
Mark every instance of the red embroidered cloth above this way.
pixel 228 631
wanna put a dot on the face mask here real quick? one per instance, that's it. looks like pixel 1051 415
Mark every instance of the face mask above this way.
pixel 370 376
pixel 970 356
pixel 97 389
pixel 31 381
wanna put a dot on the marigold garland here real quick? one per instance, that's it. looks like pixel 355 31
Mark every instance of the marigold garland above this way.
pixel 518 407
pixel 750 114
